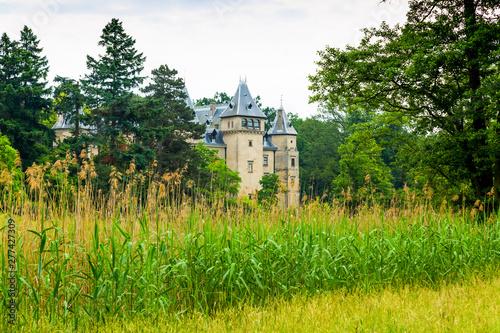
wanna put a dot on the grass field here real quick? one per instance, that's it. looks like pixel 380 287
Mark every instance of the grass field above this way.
pixel 163 262
pixel 470 307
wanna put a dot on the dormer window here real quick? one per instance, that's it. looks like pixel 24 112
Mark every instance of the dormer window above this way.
pixel 244 123
pixel 249 106
pixel 231 106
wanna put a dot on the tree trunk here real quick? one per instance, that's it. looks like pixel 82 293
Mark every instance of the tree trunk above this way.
pixel 482 175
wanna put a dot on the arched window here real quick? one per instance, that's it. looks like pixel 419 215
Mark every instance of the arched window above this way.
pixel 244 123
pixel 256 124
pixel 250 123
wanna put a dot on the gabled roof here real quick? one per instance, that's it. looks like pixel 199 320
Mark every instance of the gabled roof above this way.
pixel 243 104
pixel 287 127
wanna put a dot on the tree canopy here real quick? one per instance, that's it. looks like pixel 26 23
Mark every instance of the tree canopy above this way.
pixel 24 96
pixel 109 89
pixel 437 75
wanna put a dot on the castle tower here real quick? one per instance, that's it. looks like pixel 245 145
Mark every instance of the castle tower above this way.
pixel 242 125
pixel 284 136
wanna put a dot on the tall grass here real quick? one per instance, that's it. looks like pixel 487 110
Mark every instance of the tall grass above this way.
pixel 83 257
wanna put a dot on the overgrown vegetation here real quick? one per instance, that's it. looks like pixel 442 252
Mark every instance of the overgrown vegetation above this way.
pixel 142 251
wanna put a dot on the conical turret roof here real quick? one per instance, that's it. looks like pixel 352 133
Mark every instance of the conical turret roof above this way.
pixel 243 104
pixel 188 100
pixel 281 124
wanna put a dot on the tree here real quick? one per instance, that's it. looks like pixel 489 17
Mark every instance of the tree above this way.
pixel 362 169
pixel 219 98
pixel 436 74
pixel 69 100
pixel 271 186
pixel 166 124
pixel 24 96
pixel 8 154
pixel 318 141
pixel 215 178
pixel 109 89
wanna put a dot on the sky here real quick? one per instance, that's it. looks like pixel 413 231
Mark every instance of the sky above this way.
pixel 273 44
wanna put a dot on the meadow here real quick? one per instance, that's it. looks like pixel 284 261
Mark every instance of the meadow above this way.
pixel 149 256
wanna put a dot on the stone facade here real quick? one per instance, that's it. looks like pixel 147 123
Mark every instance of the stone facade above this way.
pixel 237 132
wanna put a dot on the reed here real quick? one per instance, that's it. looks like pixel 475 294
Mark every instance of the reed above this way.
pixel 145 249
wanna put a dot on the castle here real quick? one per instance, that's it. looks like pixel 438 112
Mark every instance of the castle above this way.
pixel 237 132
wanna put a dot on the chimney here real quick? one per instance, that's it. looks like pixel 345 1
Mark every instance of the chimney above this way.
pixel 280 119
pixel 212 109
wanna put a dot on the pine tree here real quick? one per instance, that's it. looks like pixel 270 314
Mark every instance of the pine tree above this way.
pixel 166 124
pixel 24 96
pixel 109 89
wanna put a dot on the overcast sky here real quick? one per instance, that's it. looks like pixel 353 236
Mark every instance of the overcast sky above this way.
pixel 211 43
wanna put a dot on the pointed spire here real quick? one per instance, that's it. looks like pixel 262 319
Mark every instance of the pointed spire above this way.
pixel 281 124
pixel 243 104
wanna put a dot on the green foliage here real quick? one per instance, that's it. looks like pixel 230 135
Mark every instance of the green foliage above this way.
pixel 24 102
pixel 219 98
pixel 436 74
pixel 318 142
pixel 221 265
pixel 271 186
pixel 8 154
pixel 362 168
pixel 166 124
pixel 215 178
pixel 109 91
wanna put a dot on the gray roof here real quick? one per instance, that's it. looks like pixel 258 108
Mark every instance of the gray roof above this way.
pixel 214 137
pixel 268 143
pixel 202 115
pixel 188 100
pixel 63 123
pixel 242 104
pixel 287 128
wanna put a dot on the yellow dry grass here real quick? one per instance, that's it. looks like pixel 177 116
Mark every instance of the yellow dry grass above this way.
pixel 473 307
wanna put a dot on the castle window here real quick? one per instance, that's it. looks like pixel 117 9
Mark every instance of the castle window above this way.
pixel 256 124
pixel 250 123
pixel 293 162
pixel 232 124
pixel 249 143
pixel 250 167
pixel 228 124
pixel 244 123
pixel 266 160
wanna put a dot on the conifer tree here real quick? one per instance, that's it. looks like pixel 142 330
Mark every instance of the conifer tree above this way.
pixel 166 125
pixel 24 95
pixel 109 89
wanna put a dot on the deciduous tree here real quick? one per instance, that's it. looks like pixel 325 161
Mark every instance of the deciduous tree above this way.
pixel 436 74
